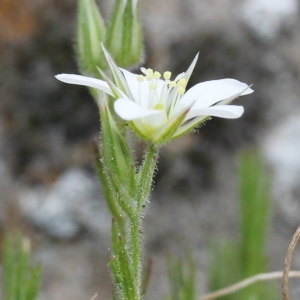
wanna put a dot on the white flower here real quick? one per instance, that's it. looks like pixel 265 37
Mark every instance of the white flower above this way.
pixel 160 109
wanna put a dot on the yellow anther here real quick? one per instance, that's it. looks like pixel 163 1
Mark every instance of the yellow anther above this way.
pixel 180 90
pixel 153 86
pixel 156 75
pixel 167 75
pixel 149 74
pixel 140 78
pixel 172 84
pixel 182 82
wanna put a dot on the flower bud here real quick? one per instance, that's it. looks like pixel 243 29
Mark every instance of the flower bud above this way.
pixel 90 33
pixel 124 34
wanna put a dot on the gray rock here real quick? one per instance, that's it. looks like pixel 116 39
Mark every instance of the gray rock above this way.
pixel 72 204
pixel 266 18
pixel 282 151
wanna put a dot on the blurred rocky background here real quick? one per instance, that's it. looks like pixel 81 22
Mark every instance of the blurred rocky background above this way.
pixel 48 186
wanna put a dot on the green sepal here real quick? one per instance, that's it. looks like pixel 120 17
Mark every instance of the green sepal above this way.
pixel 137 130
pixel 189 127
pixel 108 192
pixel 167 131
pixel 117 74
pixel 117 163
pixel 116 153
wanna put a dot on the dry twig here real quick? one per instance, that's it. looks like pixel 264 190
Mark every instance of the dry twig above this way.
pixel 287 265
pixel 246 282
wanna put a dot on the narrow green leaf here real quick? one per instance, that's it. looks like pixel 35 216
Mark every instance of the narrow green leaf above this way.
pixel 22 266
pixel 9 266
pixel 33 285
pixel 21 281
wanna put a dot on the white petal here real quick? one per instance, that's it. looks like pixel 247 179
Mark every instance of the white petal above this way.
pixel 140 90
pixel 128 110
pixel 222 111
pixel 154 122
pixel 86 81
pixel 190 70
pixel 210 92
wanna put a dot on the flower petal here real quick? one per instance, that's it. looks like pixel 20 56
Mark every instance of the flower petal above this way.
pixel 210 92
pixel 128 110
pixel 140 91
pixel 190 70
pixel 86 81
pixel 222 111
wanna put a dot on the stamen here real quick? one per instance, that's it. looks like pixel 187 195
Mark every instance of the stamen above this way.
pixel 180 90
pixel 172 84
pixel 182 82
pixel 149 74
pixel 140 78
pixel 167 75
pixel 153 86
pixel 156 75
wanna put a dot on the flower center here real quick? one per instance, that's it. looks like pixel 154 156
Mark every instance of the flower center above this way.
pixel 159 106
pixel 162 96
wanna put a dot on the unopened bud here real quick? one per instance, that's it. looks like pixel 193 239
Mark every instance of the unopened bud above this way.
pixel 124 34
pixel 90 33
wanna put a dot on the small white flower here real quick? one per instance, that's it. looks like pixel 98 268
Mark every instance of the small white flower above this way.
pixel 160 109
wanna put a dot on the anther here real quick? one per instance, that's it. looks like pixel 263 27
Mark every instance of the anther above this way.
pixel 140 78
pixel 153 86
pixel 150 71
pixel 182 82
pixel 167 75
pixel 149 74
pixel 172 84
pixel 156 75
pixel 180 90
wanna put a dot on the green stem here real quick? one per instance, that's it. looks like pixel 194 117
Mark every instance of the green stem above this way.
pixel 145 176
pixel 136 253
pixel 121 265
pixel 144 180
